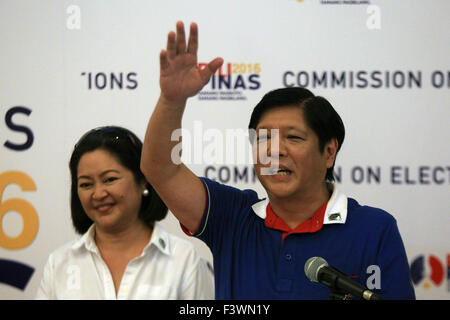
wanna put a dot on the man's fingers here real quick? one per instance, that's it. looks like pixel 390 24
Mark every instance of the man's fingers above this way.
pixel 193 39
pixel 181 38
pixel 163 62
pixel 215 64
pixel 176 44
pixel 210 69
pixel 171 48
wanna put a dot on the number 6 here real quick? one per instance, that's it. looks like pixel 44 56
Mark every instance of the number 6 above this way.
pixel 24 208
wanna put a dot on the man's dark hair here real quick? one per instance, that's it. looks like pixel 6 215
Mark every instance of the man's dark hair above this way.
pixel 319 115
pixel 126 147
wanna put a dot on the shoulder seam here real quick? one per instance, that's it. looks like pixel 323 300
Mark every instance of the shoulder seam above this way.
pixel 209 207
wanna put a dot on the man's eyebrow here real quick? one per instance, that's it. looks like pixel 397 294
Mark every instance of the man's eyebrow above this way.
pixel 287 128
pixel 296 129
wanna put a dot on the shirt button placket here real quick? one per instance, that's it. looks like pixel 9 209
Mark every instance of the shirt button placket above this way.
pixel 286 273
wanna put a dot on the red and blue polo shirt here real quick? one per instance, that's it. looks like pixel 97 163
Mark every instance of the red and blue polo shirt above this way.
pixel 257 256
pixel 311 225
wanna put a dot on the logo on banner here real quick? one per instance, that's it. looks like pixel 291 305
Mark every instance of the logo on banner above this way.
pixel 16 273
pixel 344 2
pixel 428 271
pixel 232 81
pixel 340 2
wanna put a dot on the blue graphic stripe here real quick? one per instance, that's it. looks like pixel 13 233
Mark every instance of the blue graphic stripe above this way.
pixel 418 269
pixel 15 273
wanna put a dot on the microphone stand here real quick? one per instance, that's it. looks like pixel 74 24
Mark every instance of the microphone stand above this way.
pixel 335 293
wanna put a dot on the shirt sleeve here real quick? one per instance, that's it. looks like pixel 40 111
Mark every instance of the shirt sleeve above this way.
pixel 391 276
pixel 44 291
pixel 198 281
pixel 225 208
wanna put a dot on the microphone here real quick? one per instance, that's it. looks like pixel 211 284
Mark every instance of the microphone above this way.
pixel 318 270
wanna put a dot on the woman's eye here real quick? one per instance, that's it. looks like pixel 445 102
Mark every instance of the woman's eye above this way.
pixel 85 185
pixel 110 179
pixel 295 137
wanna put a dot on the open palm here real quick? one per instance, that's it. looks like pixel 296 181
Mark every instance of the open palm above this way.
pixel 180 76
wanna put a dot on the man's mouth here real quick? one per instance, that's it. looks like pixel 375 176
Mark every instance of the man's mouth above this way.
pixel 278 171
pixel 282 172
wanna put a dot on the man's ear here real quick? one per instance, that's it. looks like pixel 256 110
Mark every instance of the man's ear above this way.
pixel 330 151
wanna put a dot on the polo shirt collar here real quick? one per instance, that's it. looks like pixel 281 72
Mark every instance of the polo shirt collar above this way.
pixel 87 240
pixel 159 239
pixel 335 213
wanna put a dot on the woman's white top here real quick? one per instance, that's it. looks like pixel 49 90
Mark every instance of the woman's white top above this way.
pixel 168 268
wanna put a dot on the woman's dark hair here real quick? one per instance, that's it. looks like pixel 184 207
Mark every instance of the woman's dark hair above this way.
pixel 319 115
pixel 126 147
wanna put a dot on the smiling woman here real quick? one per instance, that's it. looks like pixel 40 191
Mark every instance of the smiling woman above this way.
pixel 123 253
pixel 108 192
pixel 124 149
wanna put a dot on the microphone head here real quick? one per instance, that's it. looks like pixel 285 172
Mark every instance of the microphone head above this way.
pixel 312 267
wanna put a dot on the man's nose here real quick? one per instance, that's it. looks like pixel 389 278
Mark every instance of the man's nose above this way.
pixel 276 146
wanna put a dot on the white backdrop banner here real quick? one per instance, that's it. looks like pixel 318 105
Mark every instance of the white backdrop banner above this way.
pixel 69 66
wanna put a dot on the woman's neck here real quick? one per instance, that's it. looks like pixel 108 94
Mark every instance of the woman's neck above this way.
pixel 131 238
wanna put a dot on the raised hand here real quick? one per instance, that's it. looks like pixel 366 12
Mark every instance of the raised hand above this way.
pixel 180 76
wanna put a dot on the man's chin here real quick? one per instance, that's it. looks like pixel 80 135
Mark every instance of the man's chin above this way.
pixel 278 190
